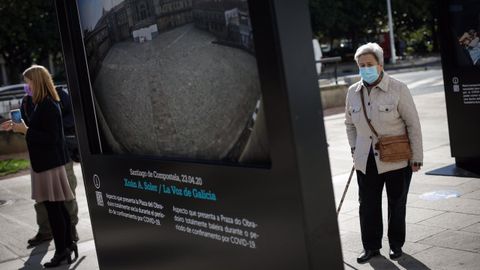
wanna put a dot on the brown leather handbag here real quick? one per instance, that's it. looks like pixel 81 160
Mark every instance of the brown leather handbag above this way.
pixel 391 148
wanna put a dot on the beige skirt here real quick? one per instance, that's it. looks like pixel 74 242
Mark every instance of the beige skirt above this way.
pixel 51 185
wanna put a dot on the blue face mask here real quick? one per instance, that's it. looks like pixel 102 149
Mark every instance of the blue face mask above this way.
pixel 369 74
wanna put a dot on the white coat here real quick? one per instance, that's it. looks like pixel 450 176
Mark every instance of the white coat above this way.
pixel 391 108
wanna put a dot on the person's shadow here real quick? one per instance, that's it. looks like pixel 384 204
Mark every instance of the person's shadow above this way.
pixel 406 261
pixel 383 263
pixel 37 254
pixel 36 257
pixel 409 262
pixel 378 262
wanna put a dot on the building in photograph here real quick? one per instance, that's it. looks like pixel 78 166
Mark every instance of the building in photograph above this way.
pixel 138 20
pixel 228 20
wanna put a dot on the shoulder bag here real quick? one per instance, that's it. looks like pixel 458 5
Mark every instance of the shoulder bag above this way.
pixel 391 148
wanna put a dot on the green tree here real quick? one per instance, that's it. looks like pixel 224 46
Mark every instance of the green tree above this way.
pixel 28 34
pixel 415 21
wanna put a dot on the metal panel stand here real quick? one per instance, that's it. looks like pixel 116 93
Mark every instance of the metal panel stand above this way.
pixel 453 170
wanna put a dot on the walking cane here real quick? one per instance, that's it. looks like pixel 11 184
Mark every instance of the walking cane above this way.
pixel 346 189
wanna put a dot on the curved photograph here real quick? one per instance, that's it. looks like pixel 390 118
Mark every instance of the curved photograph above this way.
pixel 175 79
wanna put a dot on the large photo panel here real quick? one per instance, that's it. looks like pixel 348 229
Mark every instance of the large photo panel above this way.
pixel 175 79
pixel 180 95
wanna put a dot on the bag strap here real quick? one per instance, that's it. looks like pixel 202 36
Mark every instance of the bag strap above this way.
pixel 365 113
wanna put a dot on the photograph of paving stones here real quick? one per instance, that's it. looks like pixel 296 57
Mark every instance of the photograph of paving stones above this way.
pixel 175 79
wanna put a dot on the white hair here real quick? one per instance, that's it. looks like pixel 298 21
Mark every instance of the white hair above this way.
pixel 372 48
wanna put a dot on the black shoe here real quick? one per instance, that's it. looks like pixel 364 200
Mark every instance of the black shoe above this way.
pixel 39 238
pixel 367 255
pixel 58 258
pixel 395 253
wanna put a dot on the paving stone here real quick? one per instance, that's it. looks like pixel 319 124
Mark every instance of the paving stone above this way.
pixel 420 188
pixel 460 240
pixel 475 195
pixel 441 180
pixel 344 217
pixel 411 198
pixel 437 158
pixel 351 241
pixel 340 165
pixel 350 225
pixel 351 195
pixel 15 234
pixel 470 186
pixel 473 228
pixel 14 264
pixel 350 207
pixel 459 205
pixel 6 254
pixel 437 258
pixel 415 215
pixel 453 221
pixel 414 248
pixel 417 232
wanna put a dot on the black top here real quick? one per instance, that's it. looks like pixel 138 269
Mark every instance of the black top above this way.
pixel 45 137
pixel 65 104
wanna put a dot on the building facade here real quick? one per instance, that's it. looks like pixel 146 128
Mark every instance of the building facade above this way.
pixel 142 20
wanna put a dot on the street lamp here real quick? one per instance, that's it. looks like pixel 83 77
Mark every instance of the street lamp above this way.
pixel 393 54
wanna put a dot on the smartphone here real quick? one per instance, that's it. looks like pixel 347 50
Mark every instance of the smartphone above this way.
pixel 16 116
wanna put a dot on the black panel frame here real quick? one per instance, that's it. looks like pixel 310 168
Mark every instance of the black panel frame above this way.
pixel 463 133
pixel 293 201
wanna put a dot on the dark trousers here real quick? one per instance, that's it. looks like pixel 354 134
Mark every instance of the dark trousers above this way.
pixel 370 187
pixel 60 224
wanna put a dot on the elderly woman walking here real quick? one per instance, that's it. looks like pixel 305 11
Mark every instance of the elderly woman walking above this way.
pixel 380 113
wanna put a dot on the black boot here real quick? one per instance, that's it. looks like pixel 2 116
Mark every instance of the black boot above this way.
pixel 39 238
pixel 74 249
pixel 367 255
pixel 58 258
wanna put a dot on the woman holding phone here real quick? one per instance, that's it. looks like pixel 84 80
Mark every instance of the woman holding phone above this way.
pixel 48 156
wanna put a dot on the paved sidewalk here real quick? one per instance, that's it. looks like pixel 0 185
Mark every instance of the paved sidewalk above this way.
pixel 442 234
pixel 17 223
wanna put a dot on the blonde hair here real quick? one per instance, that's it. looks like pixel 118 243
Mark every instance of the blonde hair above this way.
pixel 42 83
